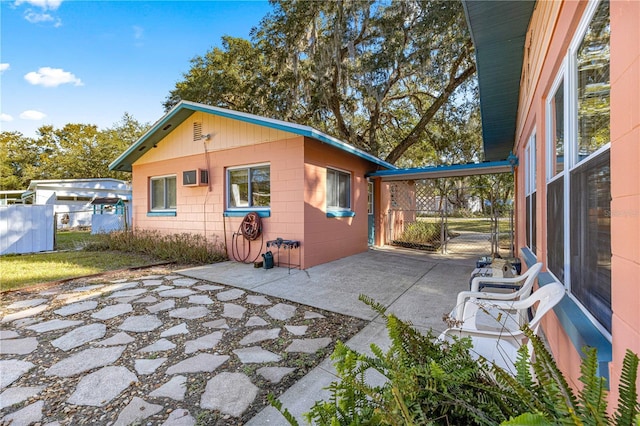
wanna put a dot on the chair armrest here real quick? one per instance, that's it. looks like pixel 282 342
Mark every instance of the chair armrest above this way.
pixel 514 336
pixel 494 297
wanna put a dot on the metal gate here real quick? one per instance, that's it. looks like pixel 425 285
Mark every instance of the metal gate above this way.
pixel 448 217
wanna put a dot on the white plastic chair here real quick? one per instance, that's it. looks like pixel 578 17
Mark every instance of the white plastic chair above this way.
pixel 501 347
pixel 475 307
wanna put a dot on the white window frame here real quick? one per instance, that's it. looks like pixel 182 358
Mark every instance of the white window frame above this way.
pixel 530 185
pixel 250 198
pixel 163 178
pixel 339 208
pixel 568 73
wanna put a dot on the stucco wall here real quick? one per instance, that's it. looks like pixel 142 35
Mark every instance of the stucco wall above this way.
pixel 330 238
pixel 625 157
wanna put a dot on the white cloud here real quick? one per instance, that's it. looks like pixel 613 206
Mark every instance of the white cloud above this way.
pixel 35 17
pixel 4 66
pixel 42 4
pixel 31 114
pixel 52 77
pixel 5 117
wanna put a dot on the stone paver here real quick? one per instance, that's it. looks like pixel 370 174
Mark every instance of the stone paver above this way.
pixel 219 323
pixel 80 336
pixel 274 374
pixel 180 417
pixel 18 346
pixel 189 313
pixel 231 393
pixel 151 283
pixel 148 366
pixel 198 363
pixel 165 305
pixel 146 299
pixel 112 311
pixel 140 323
pixel 127 293
pixel 308 345
pixel 208 287
pixel 174 331
pixel 281 311
pixel 87 288
pixel 231 310
pixel 85 361
pixel 184 282
pixel 26 416
pixel 137 410
pixel 260 335
pixel 174 388
pixel 56 324
pixel 76 308
pixel 200 299
pixel 26 313
pixel 255 354
pixel 313 315
pixel 255 321
pixel 208 341
pixel 297 330
pixel 8 334
pixel 29 303
pixel 177 292
pixel 121 338
pixel 258 300
pixel 18 394
pixel 100 387
pixel 225 296
pixel 159 346
pixel 12 370
pixel 163 288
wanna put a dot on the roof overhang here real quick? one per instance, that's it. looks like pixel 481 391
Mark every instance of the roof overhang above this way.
pixel 454 170
pixel 184 109
pixel 498 30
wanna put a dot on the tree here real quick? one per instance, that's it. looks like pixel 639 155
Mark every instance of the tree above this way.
pixel 372 73
pixel 18 161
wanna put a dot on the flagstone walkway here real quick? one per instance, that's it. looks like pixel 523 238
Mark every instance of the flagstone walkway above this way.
pixel 155 350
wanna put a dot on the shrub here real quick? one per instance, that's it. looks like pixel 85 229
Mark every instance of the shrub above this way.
pixel 179 248
pixel 428 382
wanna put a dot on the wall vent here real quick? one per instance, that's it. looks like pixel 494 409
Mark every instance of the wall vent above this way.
pixel 197 130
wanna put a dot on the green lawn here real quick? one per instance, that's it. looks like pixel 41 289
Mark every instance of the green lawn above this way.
pixel 71 240
pixel 475 224
pixel 24 270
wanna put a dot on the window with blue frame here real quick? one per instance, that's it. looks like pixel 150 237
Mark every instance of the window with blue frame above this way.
pixel 338 190
pixel 163 194
pixel 249 187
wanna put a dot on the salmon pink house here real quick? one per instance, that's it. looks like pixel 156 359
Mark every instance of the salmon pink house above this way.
pixel 202 169
pixel 560 87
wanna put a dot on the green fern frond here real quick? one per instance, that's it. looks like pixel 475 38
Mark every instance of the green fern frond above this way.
pixel 528 419
pixel 593 403
pixel 628 412
pixel 277 404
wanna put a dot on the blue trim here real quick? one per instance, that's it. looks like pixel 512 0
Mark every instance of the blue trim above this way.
pixel 576 324
pixel 167 213
pixel 340 213
pixel 448 170
pixel 184 109
pixel 244 212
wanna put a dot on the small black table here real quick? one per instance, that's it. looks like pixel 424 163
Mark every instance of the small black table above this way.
pixel 286 245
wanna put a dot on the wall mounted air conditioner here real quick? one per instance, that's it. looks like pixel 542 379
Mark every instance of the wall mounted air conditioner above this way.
pixel 195 177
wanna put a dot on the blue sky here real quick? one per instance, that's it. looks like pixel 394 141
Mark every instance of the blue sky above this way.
pixel 90 62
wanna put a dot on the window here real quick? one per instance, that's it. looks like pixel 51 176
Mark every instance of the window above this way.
pixel 338 190
pixel 530 192
pixel 555 178
pixel 249 187
pixel 579 182
pixel 163 193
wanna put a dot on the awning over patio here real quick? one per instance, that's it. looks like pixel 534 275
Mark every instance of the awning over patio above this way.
pixel 453 170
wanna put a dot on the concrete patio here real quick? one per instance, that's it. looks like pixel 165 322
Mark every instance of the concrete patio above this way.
pixel 416 286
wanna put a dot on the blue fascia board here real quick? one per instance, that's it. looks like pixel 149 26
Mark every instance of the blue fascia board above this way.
pixel 504 165
pixel 575 323
pixel 124 161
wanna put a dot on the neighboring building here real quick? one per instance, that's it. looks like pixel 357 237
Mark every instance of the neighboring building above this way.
pixel 72 198
pixel 202 169
pixel 562 80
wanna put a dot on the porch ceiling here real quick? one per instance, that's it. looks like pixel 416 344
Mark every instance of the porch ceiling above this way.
pixel 498 30
pixel 453 170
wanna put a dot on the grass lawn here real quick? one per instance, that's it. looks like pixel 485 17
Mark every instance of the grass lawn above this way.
pixel 24 270
pixel 475 224
pixel 71 240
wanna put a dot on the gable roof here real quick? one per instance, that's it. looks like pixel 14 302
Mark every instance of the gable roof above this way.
pixel 184 109
pixel 498 30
